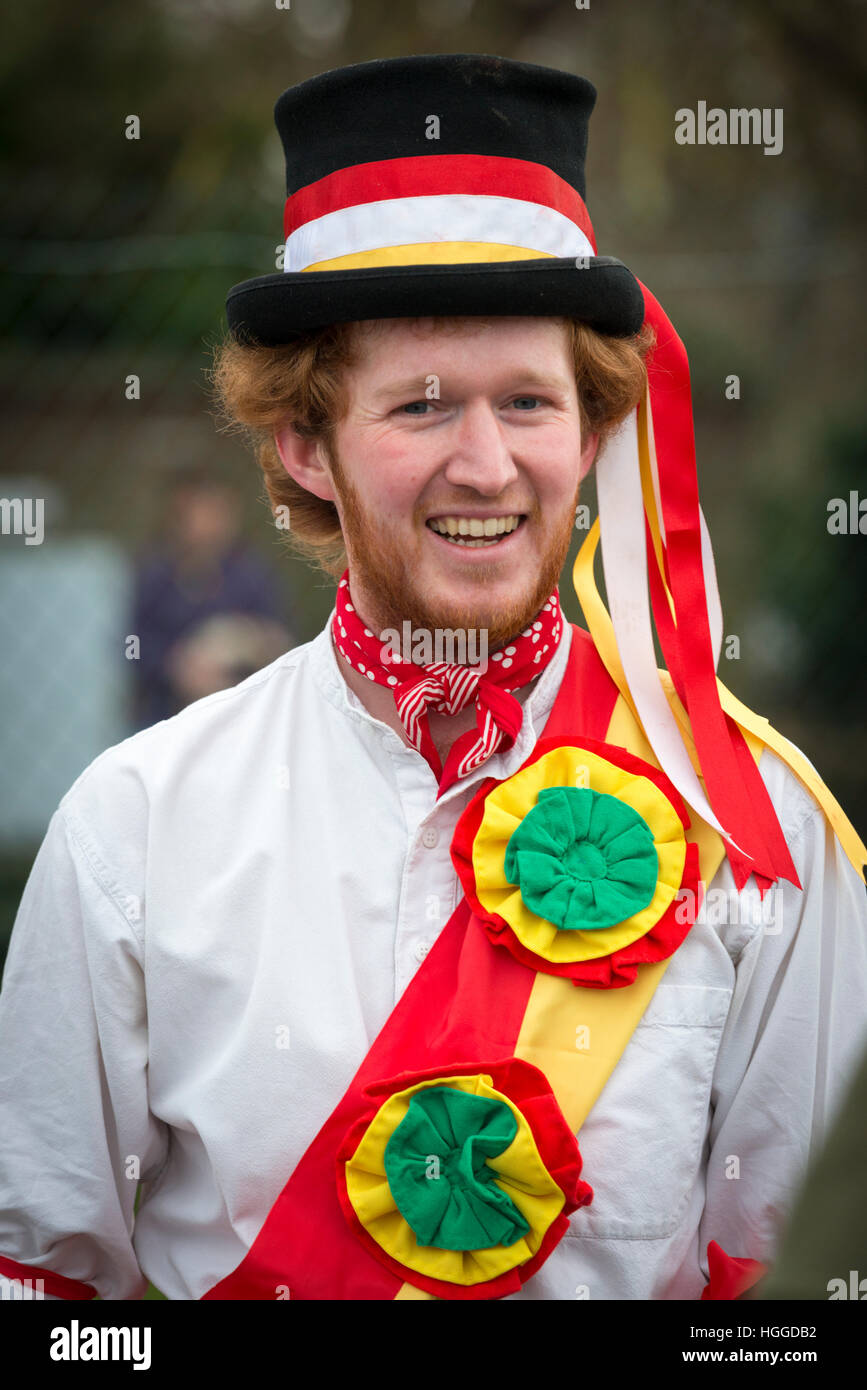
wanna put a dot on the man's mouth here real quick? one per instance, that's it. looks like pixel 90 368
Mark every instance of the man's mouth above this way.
pixel 475 531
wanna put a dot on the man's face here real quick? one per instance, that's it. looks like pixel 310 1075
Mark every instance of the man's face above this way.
pixel 479 422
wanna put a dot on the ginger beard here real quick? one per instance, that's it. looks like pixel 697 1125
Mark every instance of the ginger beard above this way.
pixel 380 567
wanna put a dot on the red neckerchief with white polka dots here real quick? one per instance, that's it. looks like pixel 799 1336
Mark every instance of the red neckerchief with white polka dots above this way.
pixel 448 687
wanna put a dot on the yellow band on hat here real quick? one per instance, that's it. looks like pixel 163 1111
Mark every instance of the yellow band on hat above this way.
pixel 431 253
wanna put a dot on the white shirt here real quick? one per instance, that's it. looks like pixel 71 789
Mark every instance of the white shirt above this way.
pixel 270 866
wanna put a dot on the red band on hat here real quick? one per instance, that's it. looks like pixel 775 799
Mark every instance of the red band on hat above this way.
pixel 419 176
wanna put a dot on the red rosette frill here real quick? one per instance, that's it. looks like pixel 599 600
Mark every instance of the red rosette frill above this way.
pixel 527 1087
pixel 620 967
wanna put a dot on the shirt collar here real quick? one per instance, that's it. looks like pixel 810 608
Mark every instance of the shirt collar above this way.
pixel 537 706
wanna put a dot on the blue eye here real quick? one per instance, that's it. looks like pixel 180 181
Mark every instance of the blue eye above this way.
pixel 420 407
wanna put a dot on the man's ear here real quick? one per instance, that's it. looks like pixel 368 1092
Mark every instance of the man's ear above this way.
pixel 589 445
pixel 305 461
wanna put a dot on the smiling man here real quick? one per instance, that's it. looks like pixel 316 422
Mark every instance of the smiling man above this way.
pixel 457 508
pixel 396 979
pixel 498 443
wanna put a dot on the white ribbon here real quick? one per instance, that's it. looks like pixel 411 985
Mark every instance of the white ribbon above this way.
pixel 624 559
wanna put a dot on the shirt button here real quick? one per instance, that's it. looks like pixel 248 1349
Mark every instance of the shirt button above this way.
pixel 430 837
pixel 420 949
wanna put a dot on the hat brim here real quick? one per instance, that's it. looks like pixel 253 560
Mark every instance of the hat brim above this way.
pixel 600 290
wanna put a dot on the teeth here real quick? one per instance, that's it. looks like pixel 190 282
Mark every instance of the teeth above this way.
pixel 459 526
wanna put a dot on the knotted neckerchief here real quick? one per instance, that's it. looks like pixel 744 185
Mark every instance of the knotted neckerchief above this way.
pixel 447 687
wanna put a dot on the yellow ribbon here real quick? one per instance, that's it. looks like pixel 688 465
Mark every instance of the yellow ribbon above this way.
pixel 755 728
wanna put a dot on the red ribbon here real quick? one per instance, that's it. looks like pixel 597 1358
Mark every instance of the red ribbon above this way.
pixel 734 785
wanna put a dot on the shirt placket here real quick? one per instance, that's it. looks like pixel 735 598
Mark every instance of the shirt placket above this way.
pixel 429 890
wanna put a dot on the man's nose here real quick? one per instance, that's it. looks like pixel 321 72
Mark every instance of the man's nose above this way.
pixel 478 453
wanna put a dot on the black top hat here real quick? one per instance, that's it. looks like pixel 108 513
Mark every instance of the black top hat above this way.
pixel 437 184
pixel 454 184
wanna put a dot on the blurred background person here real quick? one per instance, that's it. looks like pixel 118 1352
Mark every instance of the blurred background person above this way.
pixel 207 610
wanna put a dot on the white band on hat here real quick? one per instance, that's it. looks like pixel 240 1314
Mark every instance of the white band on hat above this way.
pixel 439 217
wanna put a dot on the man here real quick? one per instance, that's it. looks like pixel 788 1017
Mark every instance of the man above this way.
pixel 338 963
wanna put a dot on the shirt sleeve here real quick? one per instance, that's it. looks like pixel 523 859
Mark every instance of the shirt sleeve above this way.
pixel 796 1028
pixel 74 1119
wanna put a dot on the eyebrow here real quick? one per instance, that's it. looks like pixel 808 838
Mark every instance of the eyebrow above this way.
pixel 527 377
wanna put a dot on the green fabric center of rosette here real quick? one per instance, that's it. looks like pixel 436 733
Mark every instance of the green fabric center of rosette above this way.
pixel 582 859
pixel 435 1163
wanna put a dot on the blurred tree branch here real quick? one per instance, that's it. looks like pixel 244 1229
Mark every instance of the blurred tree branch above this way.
pixel 827 39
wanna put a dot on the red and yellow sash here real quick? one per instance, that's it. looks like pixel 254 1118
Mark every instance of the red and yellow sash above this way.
pixel 494 1014
pixel 502 1042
